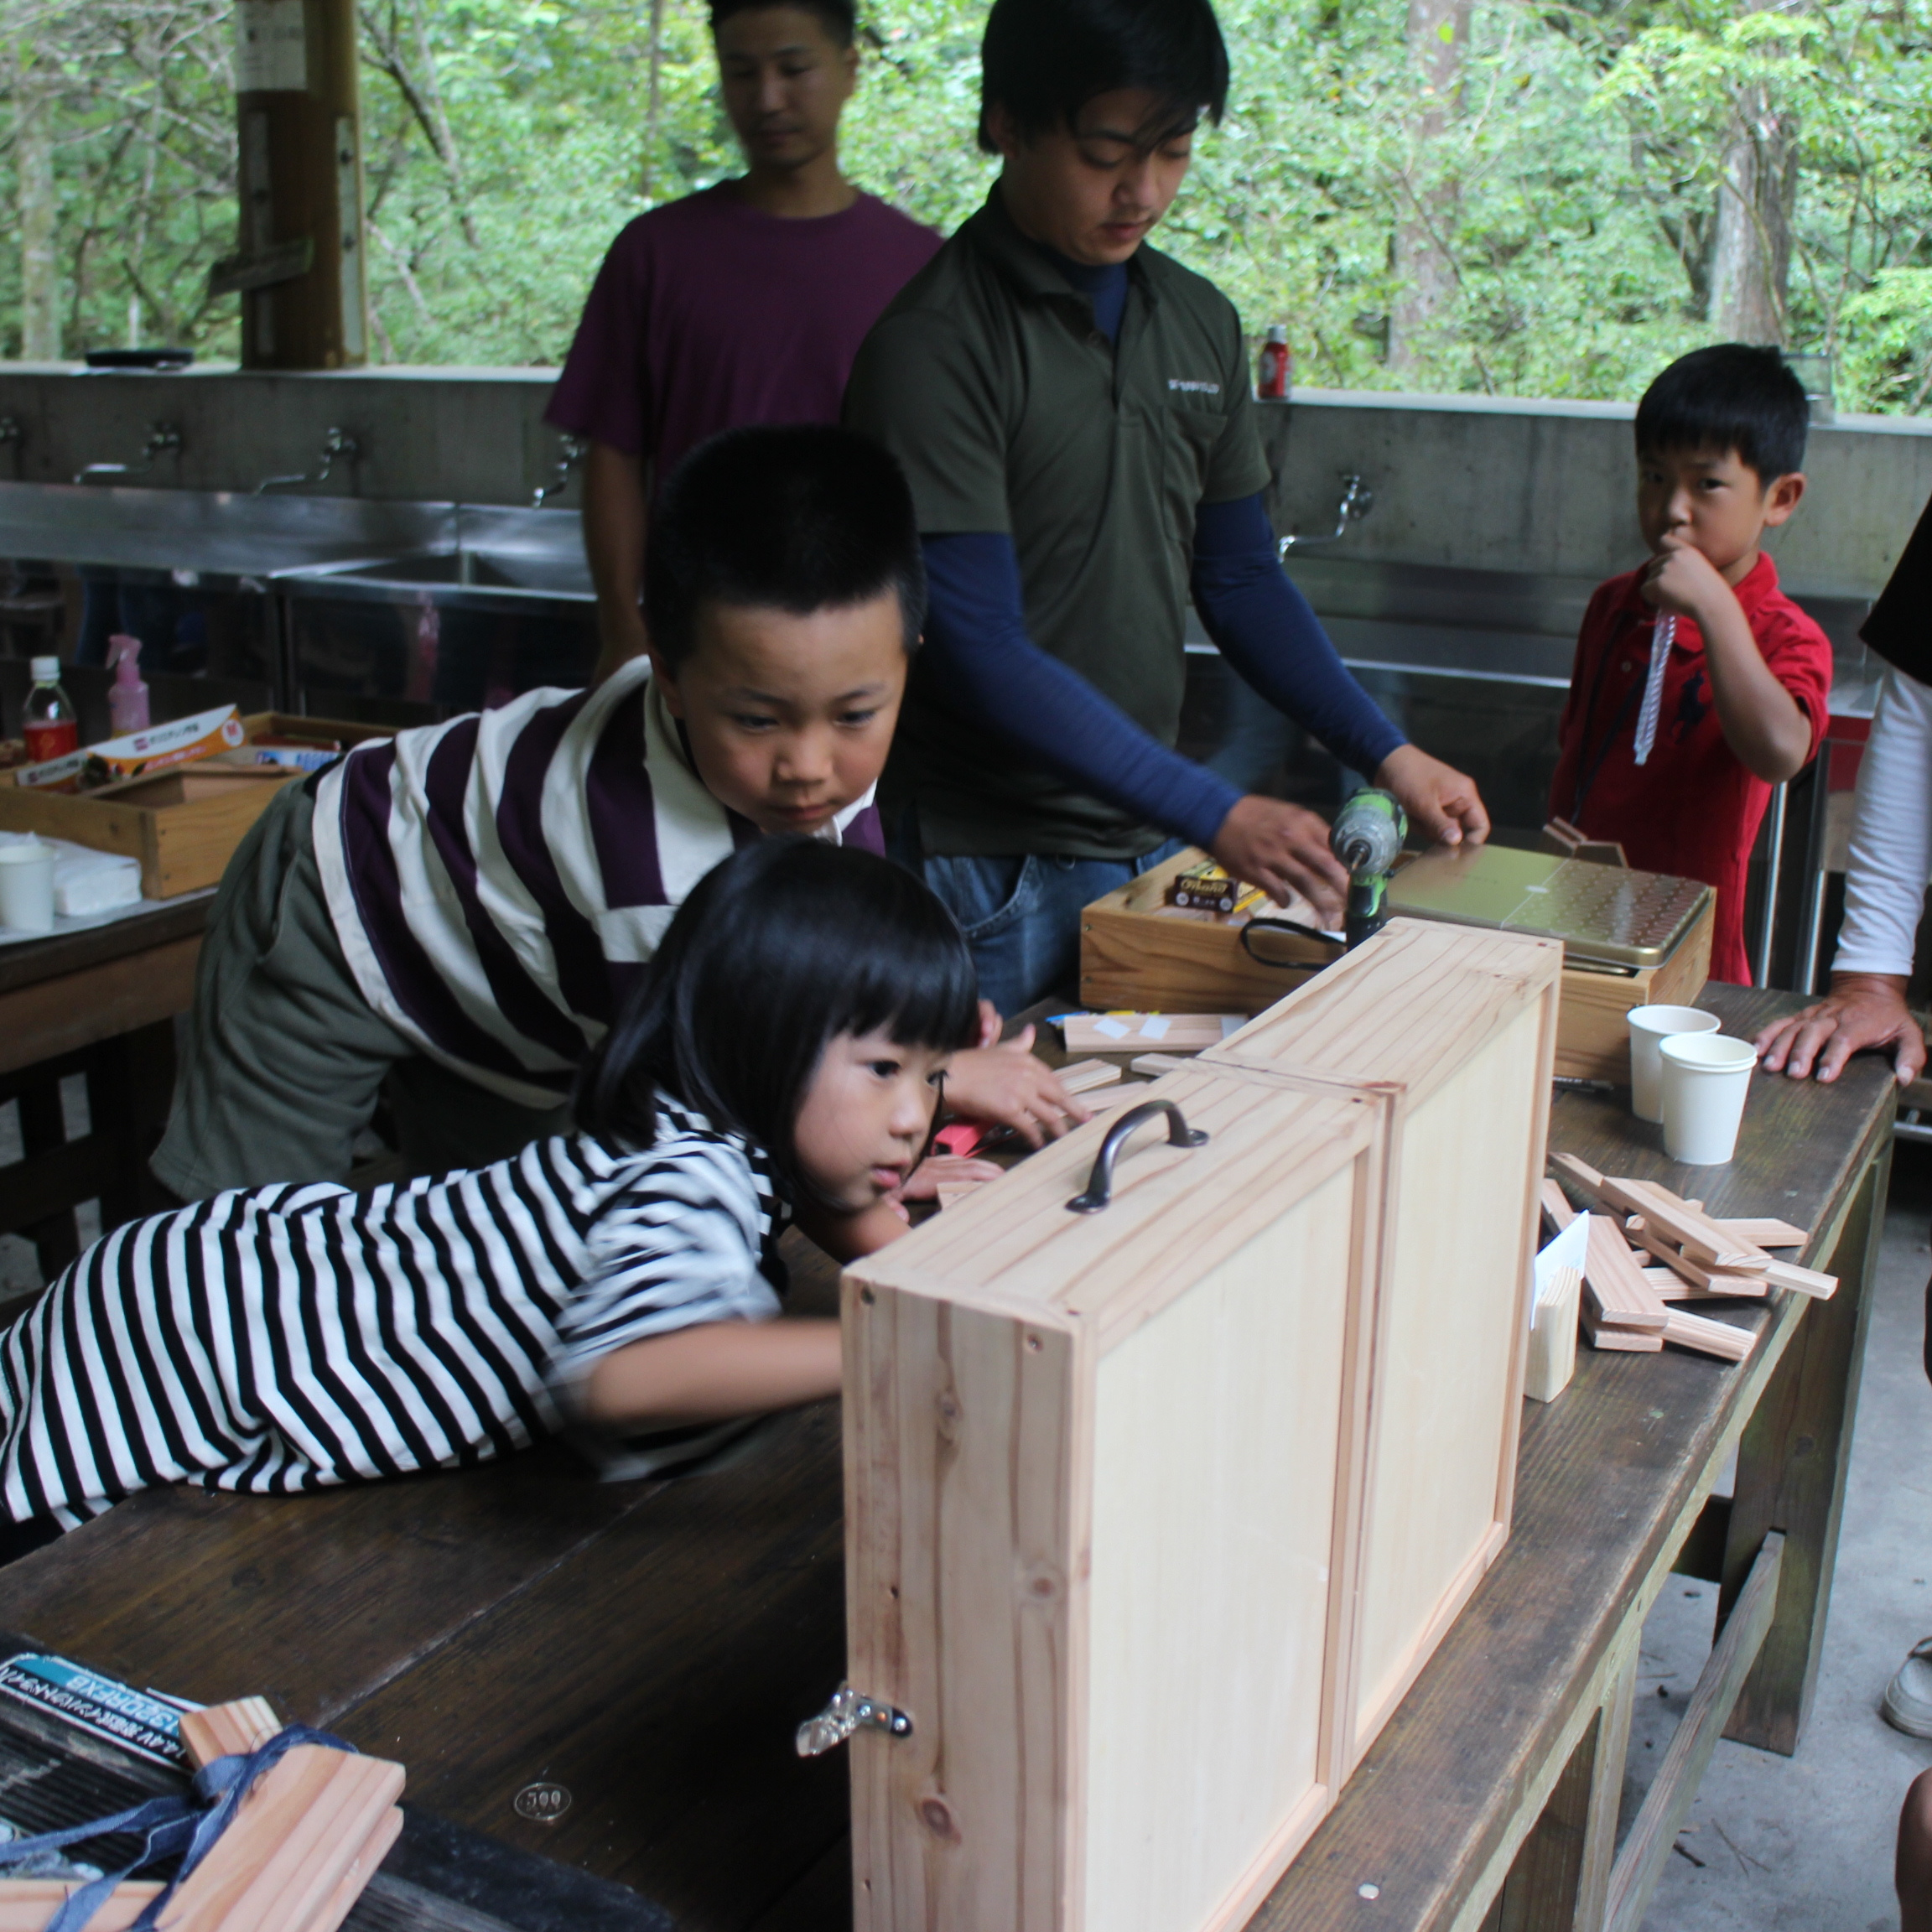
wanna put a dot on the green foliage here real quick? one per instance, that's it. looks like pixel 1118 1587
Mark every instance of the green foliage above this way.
pixel 1572 172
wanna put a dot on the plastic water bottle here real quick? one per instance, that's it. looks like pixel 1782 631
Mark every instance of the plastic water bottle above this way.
pixel 1277 362
pixel 53 726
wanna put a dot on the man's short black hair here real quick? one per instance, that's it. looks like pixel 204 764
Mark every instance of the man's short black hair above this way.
pixel 840 19
pixel 1043 60
pixel 1730 396
pixel 803 518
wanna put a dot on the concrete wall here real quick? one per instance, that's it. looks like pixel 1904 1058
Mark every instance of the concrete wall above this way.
pixel 1470 482
pixel 428 435
pixel 1502 484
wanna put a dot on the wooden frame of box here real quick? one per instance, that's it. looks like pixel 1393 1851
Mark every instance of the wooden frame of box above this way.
pixel 1124 1490
pixel 182 824
pixel 1140 954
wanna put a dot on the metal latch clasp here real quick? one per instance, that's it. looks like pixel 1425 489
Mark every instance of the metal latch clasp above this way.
pixel 850 1710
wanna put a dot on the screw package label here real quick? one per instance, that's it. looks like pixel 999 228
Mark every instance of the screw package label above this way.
pixel 133 1719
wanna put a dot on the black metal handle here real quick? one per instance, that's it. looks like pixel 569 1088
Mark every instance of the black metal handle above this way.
pixel 1100 1182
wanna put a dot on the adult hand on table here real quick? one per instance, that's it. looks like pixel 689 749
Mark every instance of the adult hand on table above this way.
pixel 1862 1009
pixel 1000 1081
pixel 1283 849
pixel 1442 804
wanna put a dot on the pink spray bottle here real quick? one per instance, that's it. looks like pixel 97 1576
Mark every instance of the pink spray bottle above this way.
pixel 128 696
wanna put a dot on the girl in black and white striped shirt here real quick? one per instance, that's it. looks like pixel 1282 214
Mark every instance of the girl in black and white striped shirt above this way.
pixel 779 1057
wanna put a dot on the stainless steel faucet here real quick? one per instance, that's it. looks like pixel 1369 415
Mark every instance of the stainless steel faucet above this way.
pixel 574 450
pixel 337 446
pixel 164 440
pixel 1357 500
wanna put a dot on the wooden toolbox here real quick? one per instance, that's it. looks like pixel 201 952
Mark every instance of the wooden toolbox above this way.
pixel 1140 954
pixel 183 824
pixel 1153 1511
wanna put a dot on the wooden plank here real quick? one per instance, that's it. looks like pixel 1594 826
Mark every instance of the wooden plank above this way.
pixel 286 1853
pixel 1667 1803
pixel 1675 1219
pixel 1765 1231
pixel 1170 1032
pixel 1616 1338
pixel 26 1905
pixel 1708 1337
pixel 1553 1338
pixel 1694 1273
pixel 1614 1285
pixel 1557 1212
pixel 227 1730
pixel 1812 1281
pixel 1084 1075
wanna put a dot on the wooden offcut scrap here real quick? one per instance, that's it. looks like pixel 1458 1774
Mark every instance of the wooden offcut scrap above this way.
pixel 26 1904
pixel 1080 1075
pixel 1696 1278
pixel 303 1844
pixel 1613 1285
pixel 1707 1251
pixel 1171 1032
pixel 1154 1064
pixel 227 1730
pixel 1553 1338
pixel 1708 1337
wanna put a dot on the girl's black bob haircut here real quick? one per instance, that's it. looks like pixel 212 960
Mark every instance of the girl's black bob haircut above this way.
pixel 1043 60
pixel 787 944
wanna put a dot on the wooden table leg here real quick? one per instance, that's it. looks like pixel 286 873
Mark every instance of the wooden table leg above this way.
pixel 43 1128
pixel 1561 1874
pixel 130 1086
pixel 1791 1469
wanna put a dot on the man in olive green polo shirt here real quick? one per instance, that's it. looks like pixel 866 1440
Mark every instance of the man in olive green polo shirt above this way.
pixel 1072 411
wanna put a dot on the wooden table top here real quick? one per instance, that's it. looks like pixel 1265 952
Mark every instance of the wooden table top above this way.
pixel 31 961
pixel 651 1647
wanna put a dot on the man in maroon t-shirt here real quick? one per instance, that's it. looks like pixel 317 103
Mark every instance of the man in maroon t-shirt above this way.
pixel 744 303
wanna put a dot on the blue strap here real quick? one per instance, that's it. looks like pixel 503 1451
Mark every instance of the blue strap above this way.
pixel 185 1826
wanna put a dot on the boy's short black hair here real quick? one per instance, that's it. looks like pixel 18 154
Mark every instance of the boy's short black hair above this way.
pixel 839 16
pixel 1730 396
pixel 802 518
pixel 785 946
pixel 1043 60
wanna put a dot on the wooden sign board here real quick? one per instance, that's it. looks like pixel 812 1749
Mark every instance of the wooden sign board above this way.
pixel 1454 1029
pixel 1136 952
pixel 1148 1509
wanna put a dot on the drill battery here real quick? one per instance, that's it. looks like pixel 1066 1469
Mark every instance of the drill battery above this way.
pixel 1207 888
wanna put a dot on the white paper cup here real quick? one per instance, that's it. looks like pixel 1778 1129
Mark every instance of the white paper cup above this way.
pixel 27 886
pixel 1650 1026
pixel 1706 1079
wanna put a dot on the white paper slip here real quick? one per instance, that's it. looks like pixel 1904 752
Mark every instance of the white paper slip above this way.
pixel 1566 1251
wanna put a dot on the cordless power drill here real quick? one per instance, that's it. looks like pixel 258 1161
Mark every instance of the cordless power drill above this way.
pixel 1366 837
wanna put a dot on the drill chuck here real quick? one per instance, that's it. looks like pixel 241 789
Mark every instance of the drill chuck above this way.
pixel 1367 836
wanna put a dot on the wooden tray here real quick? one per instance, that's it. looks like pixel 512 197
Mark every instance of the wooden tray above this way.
pixel 1141 955
pixel 1147 1521
pixel 182 825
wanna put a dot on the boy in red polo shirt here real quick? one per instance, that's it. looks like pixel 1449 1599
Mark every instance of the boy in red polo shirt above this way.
pixel 1698 684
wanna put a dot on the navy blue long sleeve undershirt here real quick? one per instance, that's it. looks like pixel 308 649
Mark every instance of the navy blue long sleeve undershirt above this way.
pixel 986 664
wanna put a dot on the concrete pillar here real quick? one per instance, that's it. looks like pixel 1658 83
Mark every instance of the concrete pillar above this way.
pixel 299 269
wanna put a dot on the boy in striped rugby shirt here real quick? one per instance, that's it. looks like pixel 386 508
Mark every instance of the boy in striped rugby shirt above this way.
pixel 459 910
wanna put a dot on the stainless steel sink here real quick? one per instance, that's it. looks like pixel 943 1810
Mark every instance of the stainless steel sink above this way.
pixel 490 560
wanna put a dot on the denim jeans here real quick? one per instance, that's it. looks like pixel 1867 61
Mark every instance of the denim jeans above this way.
pixel 1021 916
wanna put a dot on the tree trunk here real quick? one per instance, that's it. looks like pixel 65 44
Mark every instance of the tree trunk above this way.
pixel 1437 36
pixel 1751 260
pixel 39 265
pixel 654 100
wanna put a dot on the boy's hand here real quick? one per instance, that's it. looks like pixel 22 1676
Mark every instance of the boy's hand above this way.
pixel 1283 849
pixel 1862 1009
pixel 1441 802
pixel 1007 1086
pixel 1682 579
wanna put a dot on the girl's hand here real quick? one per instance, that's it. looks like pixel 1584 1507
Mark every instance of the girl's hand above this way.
pixel 941 1171
pixel 1006 1086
